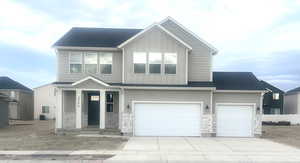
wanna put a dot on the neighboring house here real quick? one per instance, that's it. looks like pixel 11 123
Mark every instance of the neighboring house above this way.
pixel 156 81
pixel 45 101
pixel 292 101
pixel 4 102
pixel 21 107
pixel 273 99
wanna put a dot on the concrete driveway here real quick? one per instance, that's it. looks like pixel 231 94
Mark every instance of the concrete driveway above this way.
pixel 194 149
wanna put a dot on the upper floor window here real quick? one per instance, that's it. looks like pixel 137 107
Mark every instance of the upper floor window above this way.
pixel 139 61
pixel 170 60
pixel 106 63
pixel 90 62
pixel 75 62
pixel 155 63
pixel 275 96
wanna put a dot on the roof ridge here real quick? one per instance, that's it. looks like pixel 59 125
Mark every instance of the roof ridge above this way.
pixel 105 28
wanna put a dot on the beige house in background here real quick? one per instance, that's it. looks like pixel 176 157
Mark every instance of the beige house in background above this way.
pixel 292 101
pixel 44 101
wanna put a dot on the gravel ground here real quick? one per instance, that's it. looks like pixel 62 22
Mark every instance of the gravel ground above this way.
pixel 39 135
pixel 289 135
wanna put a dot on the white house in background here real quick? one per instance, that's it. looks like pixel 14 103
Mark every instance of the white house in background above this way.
pixel 44 101
pixel 292 101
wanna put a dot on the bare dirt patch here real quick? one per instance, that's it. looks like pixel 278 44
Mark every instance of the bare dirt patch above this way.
pixel 289 135
pixel 39 135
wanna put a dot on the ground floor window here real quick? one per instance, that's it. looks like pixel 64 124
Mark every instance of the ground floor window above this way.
pixel 45 109
pixel 109 102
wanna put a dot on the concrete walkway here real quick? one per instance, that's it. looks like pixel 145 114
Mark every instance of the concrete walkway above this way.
pixel 192 149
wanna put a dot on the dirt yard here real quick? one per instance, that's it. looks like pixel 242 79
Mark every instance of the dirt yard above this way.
pixel 39 135
pixel 289 135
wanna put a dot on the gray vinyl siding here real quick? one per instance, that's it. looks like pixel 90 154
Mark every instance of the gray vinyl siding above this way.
pixel 200 58
pixel 166 95
pixel 236 98
pixel 64 75
pixel 291 103
pixel 22 109
pixel 155 40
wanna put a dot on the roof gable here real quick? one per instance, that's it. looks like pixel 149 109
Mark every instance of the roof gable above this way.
pixel 214 50
pixel 91 78
pixel 295 90
pixel 7 83
pixel 149 28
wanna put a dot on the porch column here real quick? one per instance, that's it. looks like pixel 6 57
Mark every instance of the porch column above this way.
pixel 102 108
pixel 121 107
pixel 59 108
pixel 78 108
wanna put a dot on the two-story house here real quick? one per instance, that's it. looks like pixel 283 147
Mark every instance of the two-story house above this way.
pixel 156 81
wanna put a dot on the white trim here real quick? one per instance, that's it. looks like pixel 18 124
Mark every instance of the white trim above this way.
pixel 102 108
pixel 239 104
pixel 78 111
pixel 133 102
pixel 85 48
pixel 240 91
pixel 171 88
pixel 148 28
pixel 91 78
pixel 215 51
pixel 123 66
pixel 186 66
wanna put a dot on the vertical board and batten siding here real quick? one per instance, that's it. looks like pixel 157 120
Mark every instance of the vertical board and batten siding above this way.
pixel 292 103
pixel 164 95
pixel 64 75
pixel 200 58
pixel 155 40
pixel 227 97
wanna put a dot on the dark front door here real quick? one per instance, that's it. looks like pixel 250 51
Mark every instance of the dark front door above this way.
pixel 93 108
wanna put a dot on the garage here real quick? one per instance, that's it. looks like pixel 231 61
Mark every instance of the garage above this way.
pixel 167 119
pixel 235 120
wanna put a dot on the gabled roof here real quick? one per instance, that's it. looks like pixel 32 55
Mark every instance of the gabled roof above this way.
pixel 149 28
pixel 95 79
pixel 7 83
pixel 95 37
pixel 236 81
pixel 271 87
pixel 295 90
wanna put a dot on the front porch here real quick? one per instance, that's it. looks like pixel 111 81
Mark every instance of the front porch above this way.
pixel 88 107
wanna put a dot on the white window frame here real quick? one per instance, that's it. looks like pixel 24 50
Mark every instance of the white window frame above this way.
pixel 47 107
pixel 82 65
pixel 164 61
pixel 146 61
pixel 99 58
pixel 161 62
pixel 276 96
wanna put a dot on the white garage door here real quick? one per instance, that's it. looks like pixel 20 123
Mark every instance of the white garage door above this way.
pixel 167 119
pixel 234 120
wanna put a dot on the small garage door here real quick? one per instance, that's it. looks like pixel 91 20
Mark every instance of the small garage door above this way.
pixel 167 119
pixel 235 120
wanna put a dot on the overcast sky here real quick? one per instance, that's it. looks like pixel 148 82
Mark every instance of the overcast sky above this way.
pixel 261 36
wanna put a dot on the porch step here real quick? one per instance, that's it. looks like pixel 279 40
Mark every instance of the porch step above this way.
pixel 100 131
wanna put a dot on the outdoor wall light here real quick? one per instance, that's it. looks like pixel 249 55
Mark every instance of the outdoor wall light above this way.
pixel 207 107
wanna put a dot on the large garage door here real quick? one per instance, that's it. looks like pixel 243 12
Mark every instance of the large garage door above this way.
pixel 234 120
pixel 167 119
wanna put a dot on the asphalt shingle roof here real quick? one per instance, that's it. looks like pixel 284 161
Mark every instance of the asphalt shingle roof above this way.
pixel 271 87
pixel 236 81
pixel 293 90
pixel 96 37
pixel 7 83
